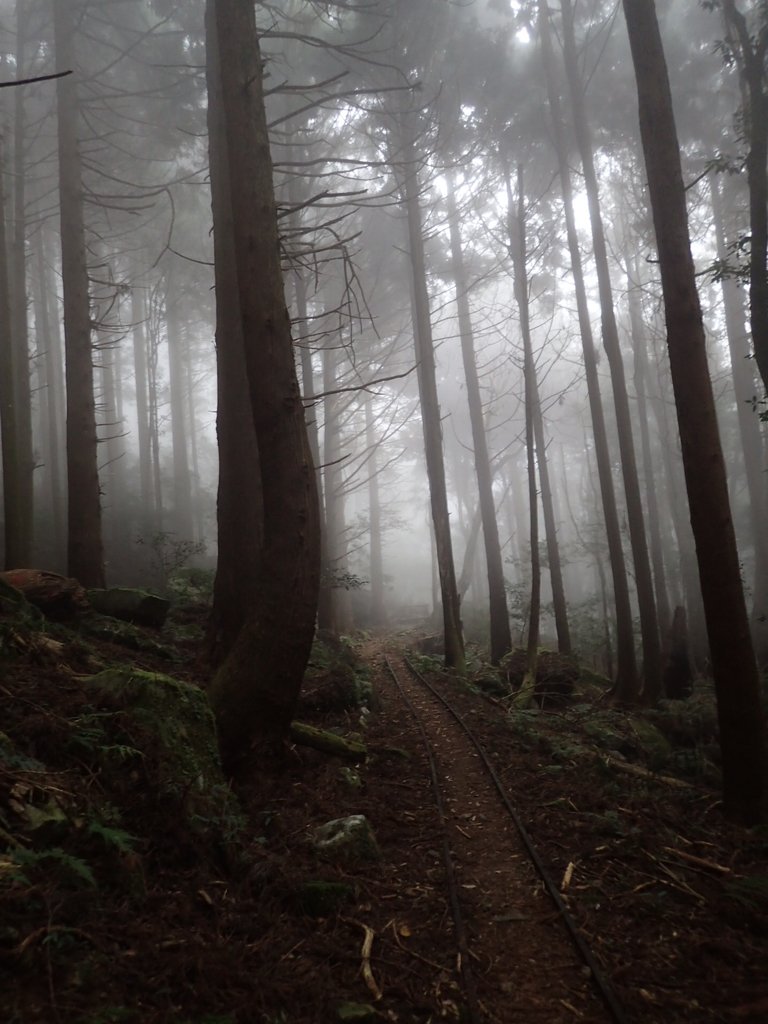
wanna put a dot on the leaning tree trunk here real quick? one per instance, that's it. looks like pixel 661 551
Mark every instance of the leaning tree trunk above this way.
pixel 649 626
pixel 256 688
pixel 500 636
pixel 740 714
pixel 85 560
pixel 627 683
pixel 430 407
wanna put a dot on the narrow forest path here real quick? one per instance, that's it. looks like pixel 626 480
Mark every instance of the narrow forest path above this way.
pixel 515 958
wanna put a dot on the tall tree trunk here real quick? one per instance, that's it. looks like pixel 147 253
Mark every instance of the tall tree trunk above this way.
pixel 518 244
pixel 182 484
pixel 13 509
pixel 753 47
pixel 85 559
pixel 519 250
pixel 649 626
pixel 500 636
pixel 338 610
pixel 430 407
pixel 376 567
pixel 49 358
pixel 139 332
pixel 627 683
pixel 255 690
pixel 737 684
pixel 153 352
pixel 239 505
pixel 744 387
pixel 641 385
pixel 25 459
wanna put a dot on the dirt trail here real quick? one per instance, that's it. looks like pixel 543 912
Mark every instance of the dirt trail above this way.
pixel 524 965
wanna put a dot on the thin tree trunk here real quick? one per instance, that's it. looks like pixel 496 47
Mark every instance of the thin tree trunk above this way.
pixel 649 626
pixel 182 484
pixel 85 559
pixel 500 636
pixel 338 608
pixel 744 387
pixel 52 403
pixel 153 351
pixel 376 566
pixel 256 688
pixel 139 332
pixel 547 503
pixel 13 510
pixel 641 384
pixel 737 683
pixel 627 683
pixel 25 459
pixel 753 47
pixel 430 408
pixel 519 251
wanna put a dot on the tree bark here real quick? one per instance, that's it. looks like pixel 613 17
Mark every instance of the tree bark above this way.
pixel 627 683
pixel 239 505
pixel 85 560
pixel 254 692
pixel 500 636
pixel 649 626
pixel 737 684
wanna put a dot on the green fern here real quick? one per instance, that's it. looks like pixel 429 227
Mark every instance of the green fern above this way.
pixel 117 837
pixel 75 867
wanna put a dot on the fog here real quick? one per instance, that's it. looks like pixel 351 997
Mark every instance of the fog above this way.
pixel 378 109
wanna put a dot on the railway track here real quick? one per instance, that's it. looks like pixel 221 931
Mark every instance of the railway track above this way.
pixel 514 933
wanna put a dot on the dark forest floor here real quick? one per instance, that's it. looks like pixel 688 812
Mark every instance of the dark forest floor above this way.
pixel 116 906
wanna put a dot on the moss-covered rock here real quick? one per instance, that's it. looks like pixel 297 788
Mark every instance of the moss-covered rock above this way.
pixel 125 634
pixel 349 841
pixel 655 748
pixel 173 724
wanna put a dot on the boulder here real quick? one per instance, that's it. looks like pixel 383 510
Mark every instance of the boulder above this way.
pixel 173 724
pixel 137 606
pixel 57 597
pixel 348 841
